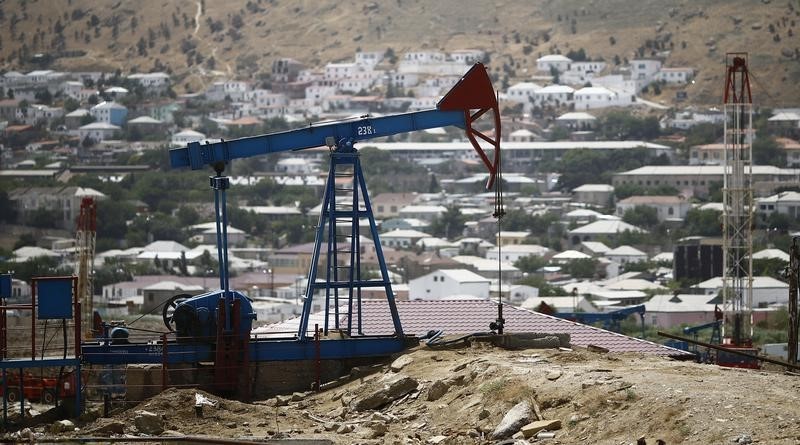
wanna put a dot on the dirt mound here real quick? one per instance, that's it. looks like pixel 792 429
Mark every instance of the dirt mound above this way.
pixel 460 396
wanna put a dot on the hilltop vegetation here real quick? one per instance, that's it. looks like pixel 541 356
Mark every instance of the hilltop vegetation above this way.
pixel 198 41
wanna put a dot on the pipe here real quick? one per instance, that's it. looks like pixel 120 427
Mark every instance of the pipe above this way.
pixel 732 351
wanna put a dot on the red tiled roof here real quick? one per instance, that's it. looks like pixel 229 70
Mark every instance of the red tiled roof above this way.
pixel 461 317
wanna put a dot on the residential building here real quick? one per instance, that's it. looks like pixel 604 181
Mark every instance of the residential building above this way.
pixel 402 239
pixel 388 205
pixel 74 119
pixel 555 62
pixel 577 121
pixel 668 208
pixel 588 98
pixel 109 113
pixel 675 75
pixel 593 248
pixel 695 180
pixel 600 195
pixel 766 290
pixel 182 138
pixel 444 283
pixel 603 229
pixel 558 95
pixel 513 252
pixel 645 70
pixel 157 294
pixel 423 212
pixel 152 81
pixel 65 202
pixel 786 203
pixel 668 310
pixel 99 131
pixel 626 255
pixel 522 92
pixel 510 237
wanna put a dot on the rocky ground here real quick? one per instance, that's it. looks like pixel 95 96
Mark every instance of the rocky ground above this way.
pixel 484 394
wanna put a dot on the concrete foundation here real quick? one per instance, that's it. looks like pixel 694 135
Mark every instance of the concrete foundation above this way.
pixel 264 380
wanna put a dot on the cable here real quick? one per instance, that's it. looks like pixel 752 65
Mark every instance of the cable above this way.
pixel 437 341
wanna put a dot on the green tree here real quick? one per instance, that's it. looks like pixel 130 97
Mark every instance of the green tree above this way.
pixel 449 224
pixel 621 125
pixel 530 263
pixel 641 216
pixel 771 267
pixel 582 268
pixel 766 151
pixel 26 239
pixel 703 222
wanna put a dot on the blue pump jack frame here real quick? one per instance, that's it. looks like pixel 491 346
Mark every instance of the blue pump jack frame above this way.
pixel 104 353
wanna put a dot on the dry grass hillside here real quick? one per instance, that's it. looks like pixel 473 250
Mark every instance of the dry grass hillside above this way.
pixel 198 40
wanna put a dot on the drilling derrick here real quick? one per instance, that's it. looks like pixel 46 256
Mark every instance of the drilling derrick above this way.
pixel 737 279
pixel 85 239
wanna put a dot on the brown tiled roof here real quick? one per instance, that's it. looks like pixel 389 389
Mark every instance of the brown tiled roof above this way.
pixel 461 317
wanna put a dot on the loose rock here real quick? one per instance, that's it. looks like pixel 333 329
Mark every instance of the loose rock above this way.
pixel 148 423
pixel 514 419
pixel 388 393
pixel 437 390
pixel 61 426
pixel 532 428
pixel 400 363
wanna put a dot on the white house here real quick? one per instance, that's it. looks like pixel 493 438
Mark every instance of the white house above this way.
pixel 787 203
pixel 577 120
pixel 553 61
pixel 514 252
pixel 72 88
pixel 151 81
pixel 599 97
pixel 522 92
pixel 448 282
pixel 423 212
pixel 560 304
pixel 522 135
pixel 645 70
pixel 675 75
pixel 626 254
pixel 554 94
pixel 402 238
pixel 569 255
pixel 182 138
pixel 98 131
pixel 667 208
pixel 595 194
pixel 766 290
pixel 601 229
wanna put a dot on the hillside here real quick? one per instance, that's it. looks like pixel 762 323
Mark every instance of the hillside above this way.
pixel 199 40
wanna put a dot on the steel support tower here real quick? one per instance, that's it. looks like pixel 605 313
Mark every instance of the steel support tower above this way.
pixel 737 279
pixel 85 247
